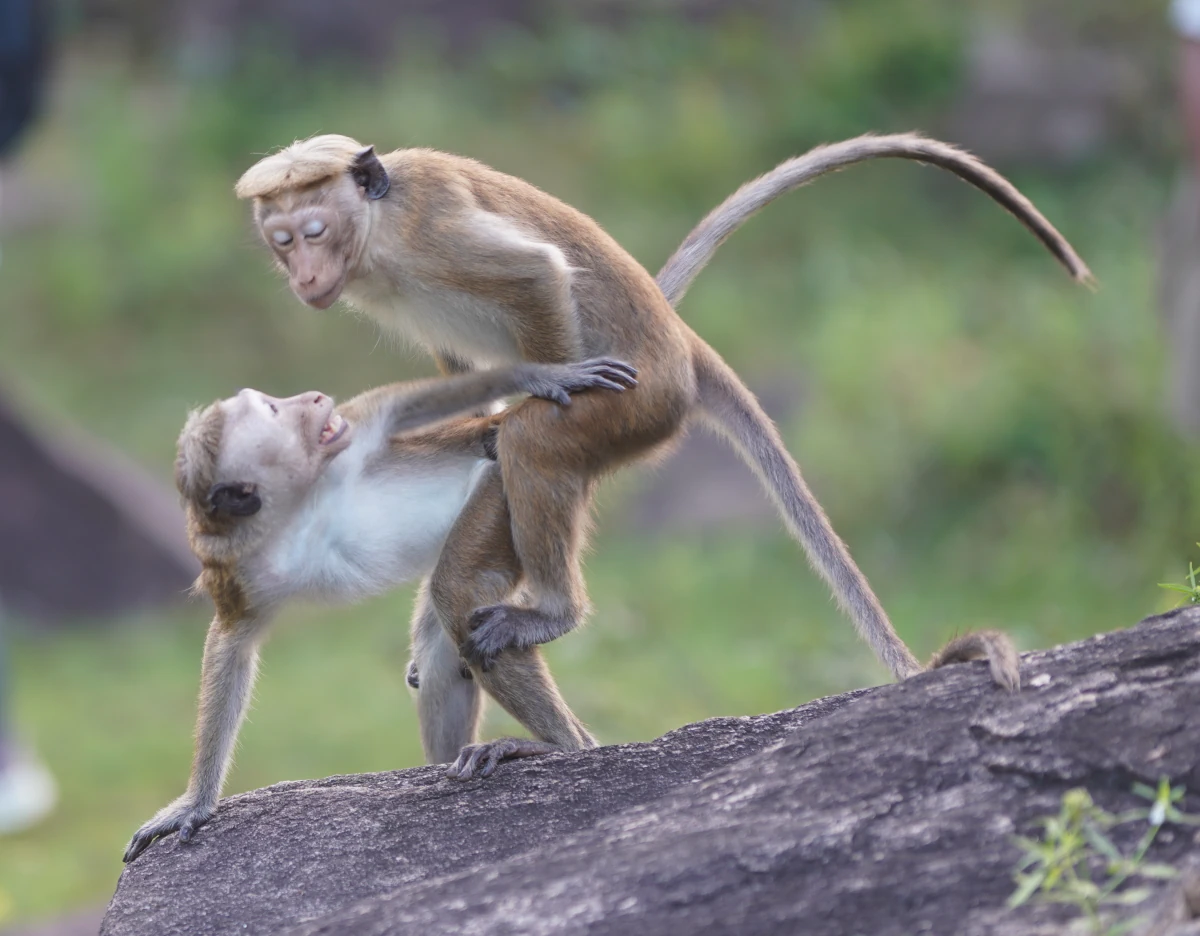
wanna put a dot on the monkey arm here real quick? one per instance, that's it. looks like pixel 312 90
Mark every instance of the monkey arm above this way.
pixel 491 257
pixel 226 679
pixel 417 405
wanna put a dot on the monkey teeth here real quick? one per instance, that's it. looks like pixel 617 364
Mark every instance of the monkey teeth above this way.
pixel 333 429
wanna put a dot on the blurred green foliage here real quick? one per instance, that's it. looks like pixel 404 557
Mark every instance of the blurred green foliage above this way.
pixel 987 436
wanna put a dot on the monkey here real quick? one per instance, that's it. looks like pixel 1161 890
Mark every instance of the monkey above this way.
pixel 299 497
pixel 481 268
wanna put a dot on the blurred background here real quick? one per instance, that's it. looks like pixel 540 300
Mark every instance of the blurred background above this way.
pixel 998 446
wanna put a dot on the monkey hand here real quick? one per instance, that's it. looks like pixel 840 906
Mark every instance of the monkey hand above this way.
pixel 556 382
pixel 184 816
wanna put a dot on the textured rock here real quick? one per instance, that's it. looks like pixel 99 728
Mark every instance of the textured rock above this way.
pixel 889 811
pixel 295 851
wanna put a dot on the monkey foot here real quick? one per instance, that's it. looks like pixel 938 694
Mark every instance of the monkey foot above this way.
pixel 496 628
pixel 491 753
pixel 181 816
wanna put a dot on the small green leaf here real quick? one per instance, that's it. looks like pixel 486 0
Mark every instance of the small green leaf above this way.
pixel 1027 886
pixel 1101 842
pixel 1157 870
pixel 1119 929
pixel 1135 895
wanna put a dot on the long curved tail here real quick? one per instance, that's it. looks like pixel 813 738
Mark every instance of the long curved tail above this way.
pixel 677 274
pixel 731 409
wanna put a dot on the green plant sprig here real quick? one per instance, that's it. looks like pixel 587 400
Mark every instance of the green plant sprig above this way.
pixel 1058 867
pixel 1191 589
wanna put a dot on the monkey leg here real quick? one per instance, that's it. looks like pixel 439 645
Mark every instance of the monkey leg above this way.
pixel 226 680
pixel 521 682
pixel 449 700
pixel 551 458
pixel 478 563
pixel 555 583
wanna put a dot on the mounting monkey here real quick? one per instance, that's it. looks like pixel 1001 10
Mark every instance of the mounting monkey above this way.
pixel 482 268
pixel 293 497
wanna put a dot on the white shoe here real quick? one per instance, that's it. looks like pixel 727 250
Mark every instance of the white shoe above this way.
pixel 27 794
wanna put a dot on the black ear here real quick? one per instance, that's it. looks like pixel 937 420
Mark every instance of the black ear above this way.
pixel 369 173
pixel 237 499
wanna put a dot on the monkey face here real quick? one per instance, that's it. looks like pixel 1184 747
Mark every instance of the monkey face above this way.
pixel 280 447
pixel 315 238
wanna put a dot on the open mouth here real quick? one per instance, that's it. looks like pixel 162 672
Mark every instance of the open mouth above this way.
pixel 333 430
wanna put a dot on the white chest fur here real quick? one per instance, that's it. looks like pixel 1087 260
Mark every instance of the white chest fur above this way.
pixel 439 319
pixel 418 307
pixel 362 533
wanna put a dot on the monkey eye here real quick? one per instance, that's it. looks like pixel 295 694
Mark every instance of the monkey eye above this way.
pixel 281 237
pixel 314 228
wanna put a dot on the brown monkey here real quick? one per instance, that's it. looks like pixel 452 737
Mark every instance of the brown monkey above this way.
pixel 482 268
pixel 297 498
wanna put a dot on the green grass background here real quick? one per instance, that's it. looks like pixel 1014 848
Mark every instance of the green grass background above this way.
pixel 988 437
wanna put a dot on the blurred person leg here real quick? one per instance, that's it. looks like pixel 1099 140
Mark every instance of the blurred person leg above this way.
pixel 24 40
pixel 1179 250
pixel 27 792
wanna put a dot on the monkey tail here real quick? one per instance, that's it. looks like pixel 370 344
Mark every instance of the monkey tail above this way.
pixel 694 253
pixel 730 408
pixel 991 645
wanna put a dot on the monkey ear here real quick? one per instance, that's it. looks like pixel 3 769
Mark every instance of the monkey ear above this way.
pixel 369 173
pixel 237 499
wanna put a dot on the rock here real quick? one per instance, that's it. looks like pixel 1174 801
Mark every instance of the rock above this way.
pixel 82 530
pixel 886 811
pixel 330 842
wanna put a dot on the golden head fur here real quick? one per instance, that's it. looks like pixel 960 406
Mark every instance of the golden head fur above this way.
pixel 304 163
pixel 195 473
pixel 196 454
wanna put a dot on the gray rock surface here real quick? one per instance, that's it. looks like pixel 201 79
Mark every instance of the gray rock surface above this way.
pixel 888 811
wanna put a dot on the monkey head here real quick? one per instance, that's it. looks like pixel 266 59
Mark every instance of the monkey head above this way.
pixel 312 205
pixel 255 456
